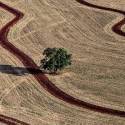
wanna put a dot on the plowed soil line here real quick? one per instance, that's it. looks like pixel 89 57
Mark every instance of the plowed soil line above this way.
pixel 40 77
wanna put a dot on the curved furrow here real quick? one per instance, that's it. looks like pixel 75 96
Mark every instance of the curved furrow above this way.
pixel 41 78
pixel 3 35
pixel 11 121
pixel 117 27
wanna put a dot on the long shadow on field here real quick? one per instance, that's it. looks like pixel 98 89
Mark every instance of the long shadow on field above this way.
pixel 18 71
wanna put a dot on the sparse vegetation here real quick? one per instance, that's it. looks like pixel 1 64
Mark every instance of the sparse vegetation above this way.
pixel 56 59
pixel 96 76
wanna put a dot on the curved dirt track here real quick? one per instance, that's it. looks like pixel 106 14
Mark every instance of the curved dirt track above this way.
pixel 11 121
pixel 3 39
pixel 117 27
pixel 40 77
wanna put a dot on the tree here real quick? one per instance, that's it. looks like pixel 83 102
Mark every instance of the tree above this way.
pixel 55 59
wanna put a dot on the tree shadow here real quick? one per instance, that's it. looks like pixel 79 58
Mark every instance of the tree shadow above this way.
pixel 18 71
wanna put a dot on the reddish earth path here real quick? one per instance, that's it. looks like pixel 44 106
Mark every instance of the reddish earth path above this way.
pixel 4 42
pixel 117 27
pixel 11 121
pixel 40 77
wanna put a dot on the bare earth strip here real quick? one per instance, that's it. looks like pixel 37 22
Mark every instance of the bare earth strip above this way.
pixel 91 106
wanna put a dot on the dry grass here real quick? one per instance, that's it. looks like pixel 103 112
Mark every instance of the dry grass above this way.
pixel 96 76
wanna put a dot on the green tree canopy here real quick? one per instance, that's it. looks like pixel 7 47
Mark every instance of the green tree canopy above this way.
pixel 55 59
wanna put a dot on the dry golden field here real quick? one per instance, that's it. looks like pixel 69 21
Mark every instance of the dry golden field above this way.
pixel 97 74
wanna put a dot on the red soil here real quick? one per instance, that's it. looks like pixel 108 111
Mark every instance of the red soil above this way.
pixel 40 77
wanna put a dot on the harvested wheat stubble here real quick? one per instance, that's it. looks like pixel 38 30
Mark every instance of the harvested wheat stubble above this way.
pixel 98 64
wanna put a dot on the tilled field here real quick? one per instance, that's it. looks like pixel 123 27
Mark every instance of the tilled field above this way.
pixel 96 75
